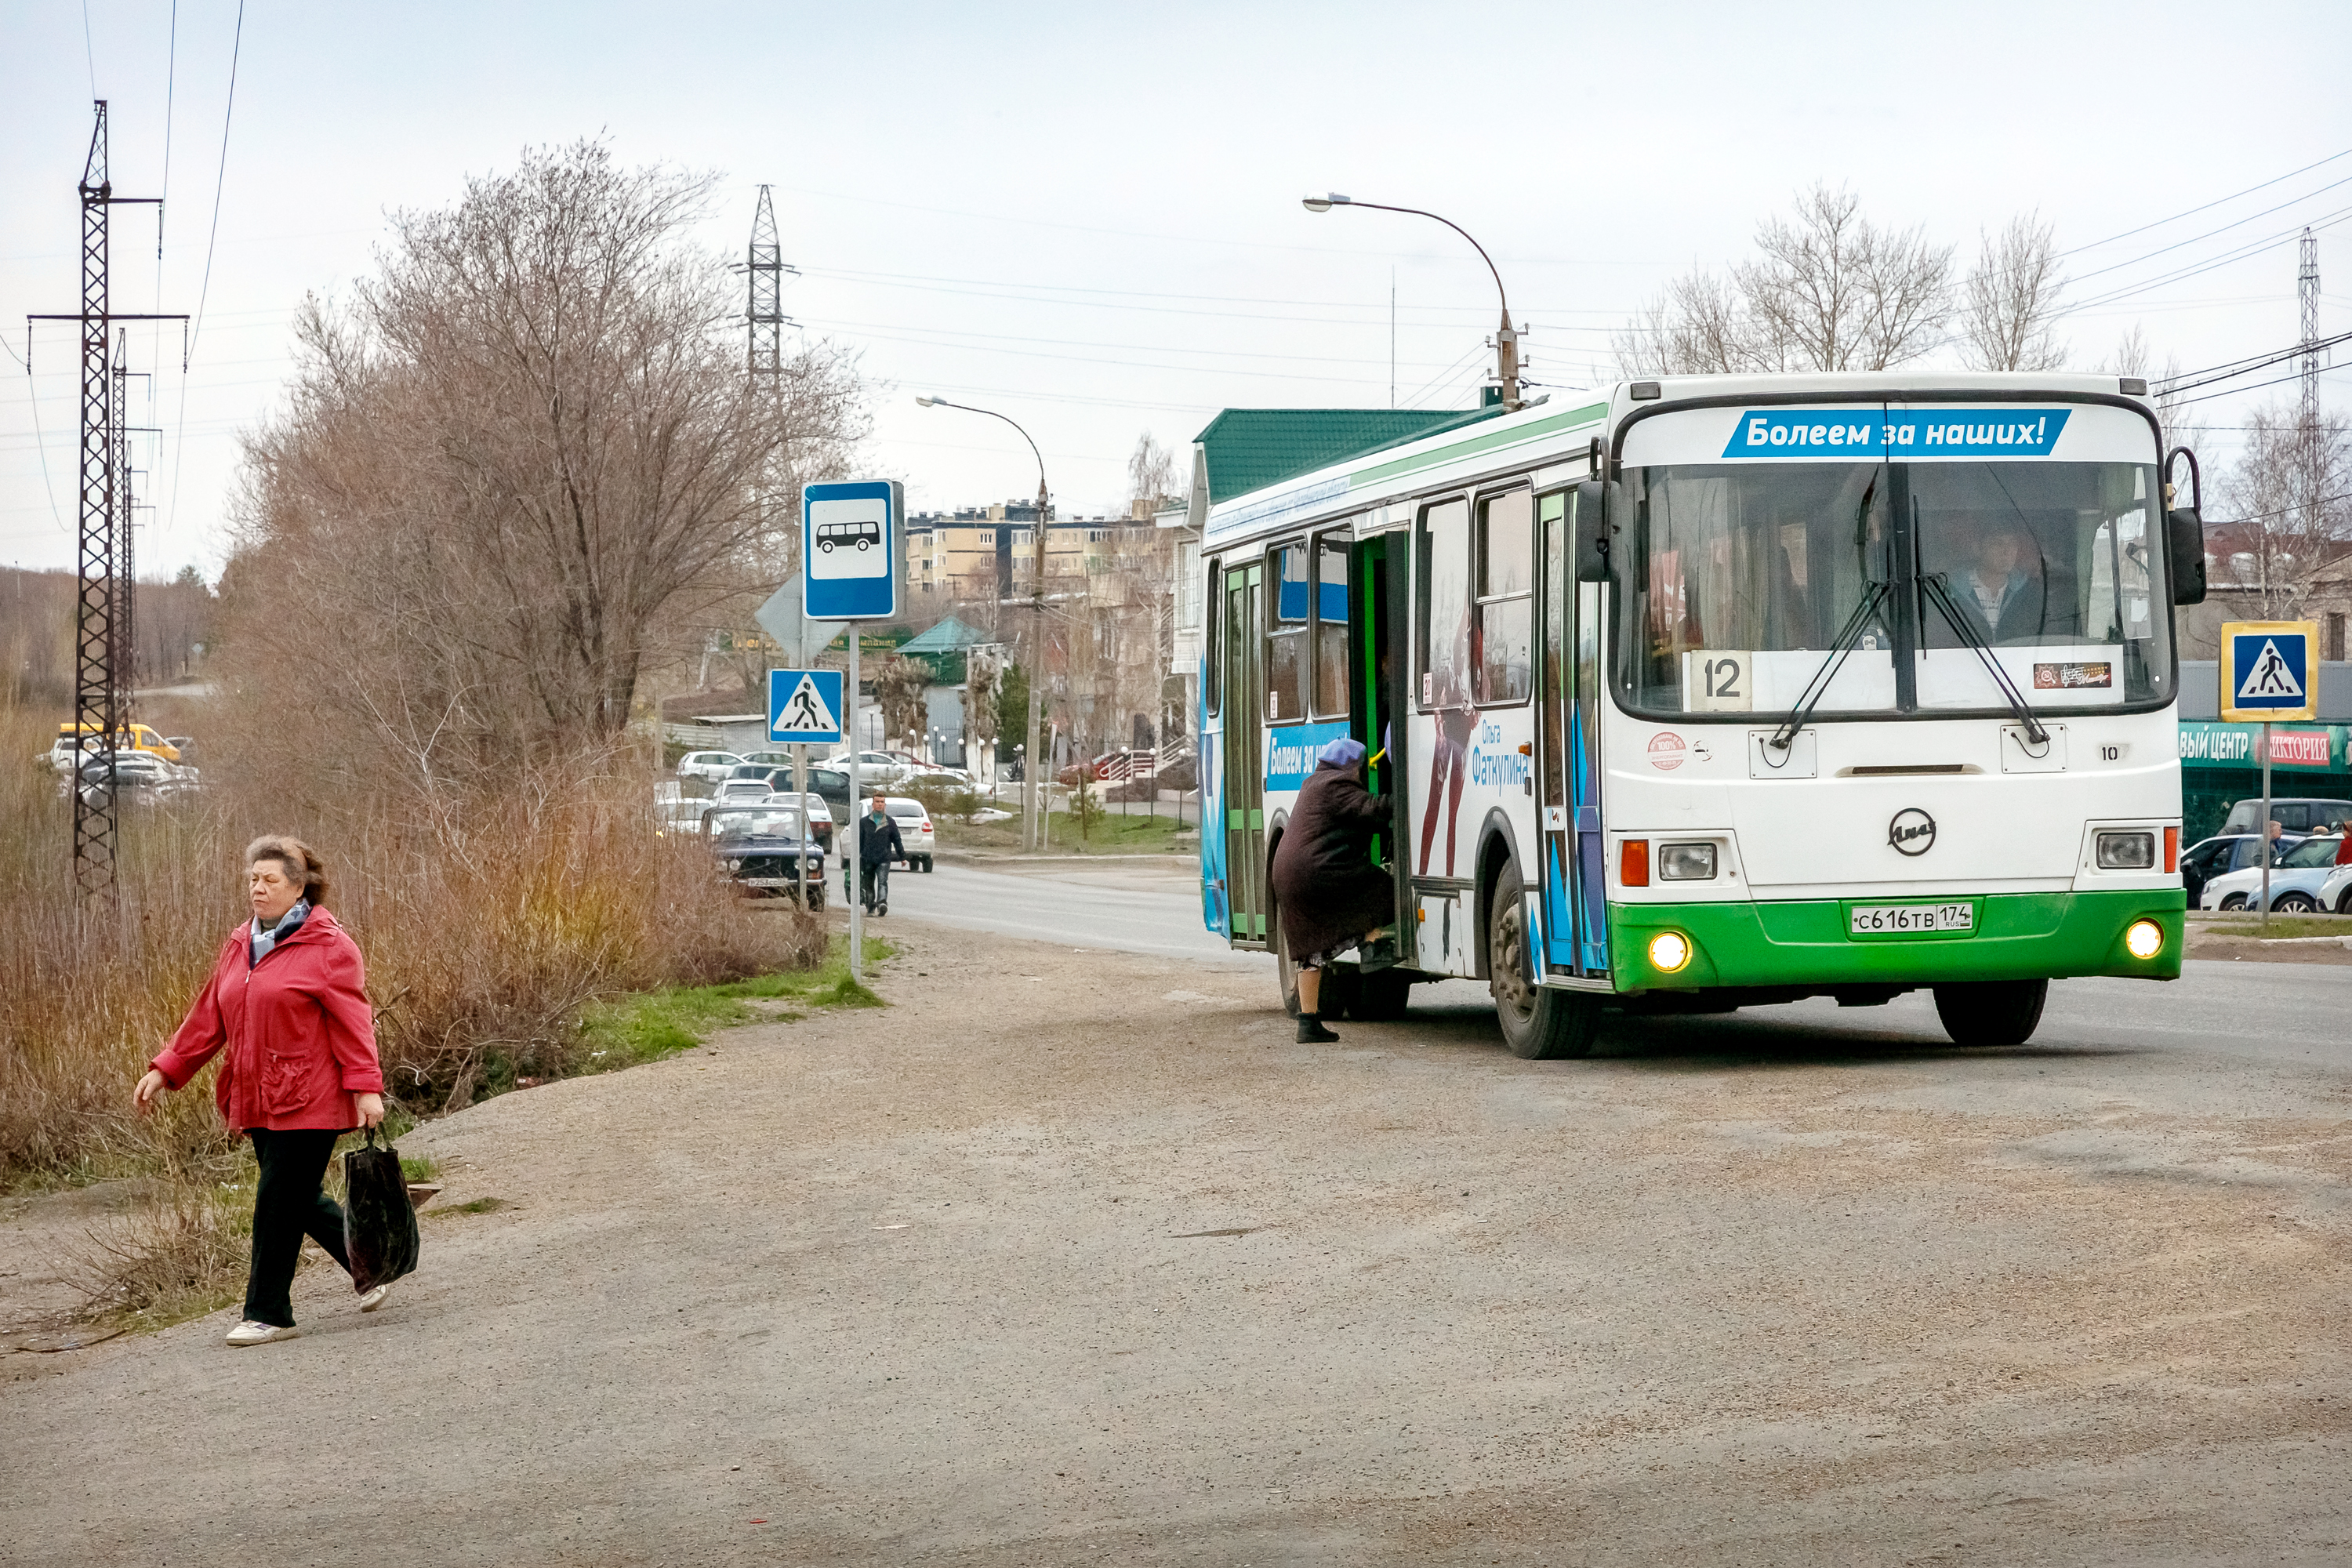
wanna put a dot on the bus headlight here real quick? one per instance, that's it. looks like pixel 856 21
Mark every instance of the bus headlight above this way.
pixel 2144 939
pixel 1687 862
pixel 2127 851
pixel 1669 951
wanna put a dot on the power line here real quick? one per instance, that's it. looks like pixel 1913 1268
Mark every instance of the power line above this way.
pixel 2192 211
pixel 220 180
pixel 2232 368
pixel 2234 391
pixel 88 55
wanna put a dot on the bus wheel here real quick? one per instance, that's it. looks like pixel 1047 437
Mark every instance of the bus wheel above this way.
pixel 1539 1022
pixel 1285 973
pixel 1381 996
pixel 1992 1012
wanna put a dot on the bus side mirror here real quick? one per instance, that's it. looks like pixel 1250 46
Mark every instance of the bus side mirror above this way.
pixel 2184 537
pixel 1597 504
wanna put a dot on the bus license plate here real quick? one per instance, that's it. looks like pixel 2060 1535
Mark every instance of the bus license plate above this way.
pixel 1872 920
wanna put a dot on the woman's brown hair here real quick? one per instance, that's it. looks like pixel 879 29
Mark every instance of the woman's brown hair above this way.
pixel 302 862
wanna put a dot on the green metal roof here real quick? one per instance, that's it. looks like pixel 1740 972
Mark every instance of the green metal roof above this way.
pixel 949 635
pixel 1250 449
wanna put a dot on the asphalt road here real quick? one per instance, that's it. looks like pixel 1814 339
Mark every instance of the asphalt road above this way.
pixel 1075 1257
pixel 2286 1017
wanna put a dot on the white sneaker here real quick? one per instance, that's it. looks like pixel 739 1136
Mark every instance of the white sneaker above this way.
pixel 252 1334
pixel 375 1298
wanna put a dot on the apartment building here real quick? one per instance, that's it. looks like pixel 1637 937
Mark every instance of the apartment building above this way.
pixel 952 556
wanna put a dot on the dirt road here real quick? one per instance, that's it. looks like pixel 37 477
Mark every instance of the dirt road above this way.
pixel 1077 1259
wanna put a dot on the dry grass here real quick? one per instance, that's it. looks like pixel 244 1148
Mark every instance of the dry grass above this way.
pixel 488 926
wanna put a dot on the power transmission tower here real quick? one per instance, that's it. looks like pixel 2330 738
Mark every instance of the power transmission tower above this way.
pixel 99 604
pixel 2307 290
pixel 765 313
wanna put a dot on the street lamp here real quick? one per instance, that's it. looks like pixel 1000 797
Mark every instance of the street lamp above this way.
pixel 1036 603
pixel 1506 340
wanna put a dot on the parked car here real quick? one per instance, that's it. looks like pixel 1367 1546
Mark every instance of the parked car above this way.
pixel 812 807
pixel 2297 876
pixel 2295 814
pixel 2335 893
pixel 678 817
pixel 876 770
pixel 129 738
pixel 2218 856
pixel 770 759
pixel 707 766
pixel 741 792
pixel 766 772
pixel 758 844
pixel 828 784
pixel 136 777
pixel 914 820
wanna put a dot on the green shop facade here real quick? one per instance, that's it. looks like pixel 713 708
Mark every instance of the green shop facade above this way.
pixel 2222 764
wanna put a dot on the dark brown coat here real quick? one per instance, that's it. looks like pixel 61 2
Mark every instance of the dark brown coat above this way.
pixel 1326 890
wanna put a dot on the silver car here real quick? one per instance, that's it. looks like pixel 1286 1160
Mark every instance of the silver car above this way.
pixel 707 766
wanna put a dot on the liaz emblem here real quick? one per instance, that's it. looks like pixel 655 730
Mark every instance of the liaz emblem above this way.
pixel 1913 831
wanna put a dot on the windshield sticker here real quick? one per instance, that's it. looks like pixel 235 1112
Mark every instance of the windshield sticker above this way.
pixel 1910 433
pixel 1667 751
pixel 2072 677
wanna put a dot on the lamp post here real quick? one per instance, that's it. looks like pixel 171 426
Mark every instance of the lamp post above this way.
pixel 1036 603
pixel 1506 340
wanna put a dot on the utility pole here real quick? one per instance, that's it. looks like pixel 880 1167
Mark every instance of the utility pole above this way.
pixel 2306 291
pixel 765 266
pixel 99 610
pixel 1032 796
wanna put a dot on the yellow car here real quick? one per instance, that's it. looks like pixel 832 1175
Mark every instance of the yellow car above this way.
pixel 130 738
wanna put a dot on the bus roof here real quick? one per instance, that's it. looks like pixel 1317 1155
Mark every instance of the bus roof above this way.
pixel 1322 482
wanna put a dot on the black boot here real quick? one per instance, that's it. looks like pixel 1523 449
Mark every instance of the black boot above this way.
pixel 1311 1031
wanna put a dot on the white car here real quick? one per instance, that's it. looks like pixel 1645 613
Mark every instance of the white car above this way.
pixel 914 820
pixel 810 808
pixel 741 791
pixel 2300 879
pixel 876 770
pixel 707 766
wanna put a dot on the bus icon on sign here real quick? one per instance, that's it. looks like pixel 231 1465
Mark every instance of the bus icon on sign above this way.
pixel 848 537
pixel 831 536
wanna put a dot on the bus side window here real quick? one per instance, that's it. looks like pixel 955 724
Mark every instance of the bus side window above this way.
pixel 1285 637
pixel 1441 636
pixel 1212 618
pixel 1331 625
pixel 1500 637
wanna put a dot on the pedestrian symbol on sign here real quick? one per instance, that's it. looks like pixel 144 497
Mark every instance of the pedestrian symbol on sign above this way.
pixel 802 712
pixel 2270 676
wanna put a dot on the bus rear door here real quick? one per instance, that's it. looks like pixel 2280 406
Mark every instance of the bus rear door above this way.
pixel 1244 701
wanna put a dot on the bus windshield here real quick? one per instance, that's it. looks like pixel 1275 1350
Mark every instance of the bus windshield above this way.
pixel 1740 578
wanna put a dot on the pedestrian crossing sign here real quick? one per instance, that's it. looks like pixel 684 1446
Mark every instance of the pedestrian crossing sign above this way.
pixel 2267 672
pixel 804 707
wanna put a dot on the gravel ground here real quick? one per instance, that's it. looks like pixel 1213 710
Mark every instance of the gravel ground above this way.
pixel 1075 1257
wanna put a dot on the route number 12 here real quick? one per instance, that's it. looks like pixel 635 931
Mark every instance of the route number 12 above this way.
pixel 1717 681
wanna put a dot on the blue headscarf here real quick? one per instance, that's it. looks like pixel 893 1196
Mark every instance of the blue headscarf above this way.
pixel 1343 753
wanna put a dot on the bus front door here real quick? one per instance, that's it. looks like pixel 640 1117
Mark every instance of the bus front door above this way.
pixel 1244 715
pixel 1576 940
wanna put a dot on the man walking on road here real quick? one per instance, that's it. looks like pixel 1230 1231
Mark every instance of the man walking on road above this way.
pixel 878 845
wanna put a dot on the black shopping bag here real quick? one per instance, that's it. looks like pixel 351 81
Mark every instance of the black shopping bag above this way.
pixel 379 1222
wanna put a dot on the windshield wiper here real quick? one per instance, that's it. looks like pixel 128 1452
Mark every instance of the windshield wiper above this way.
pixel 1953 617
pixel 1818 686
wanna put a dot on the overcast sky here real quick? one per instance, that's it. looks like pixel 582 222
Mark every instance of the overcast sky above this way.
pixel 1088 216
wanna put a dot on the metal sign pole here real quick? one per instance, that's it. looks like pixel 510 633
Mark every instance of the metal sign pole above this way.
pixel 2265 827
pixel 855 857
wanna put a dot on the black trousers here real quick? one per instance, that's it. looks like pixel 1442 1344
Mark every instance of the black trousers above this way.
pixel 287 1206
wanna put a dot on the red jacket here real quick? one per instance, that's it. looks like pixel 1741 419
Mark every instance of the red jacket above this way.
pixel 299 1033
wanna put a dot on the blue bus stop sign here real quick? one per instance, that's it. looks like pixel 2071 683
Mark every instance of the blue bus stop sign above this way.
pixel 849 549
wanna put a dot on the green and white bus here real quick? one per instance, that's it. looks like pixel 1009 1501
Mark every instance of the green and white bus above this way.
pixel 1711 691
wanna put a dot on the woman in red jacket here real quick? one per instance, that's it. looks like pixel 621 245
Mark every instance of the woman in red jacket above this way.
pixel 288 1002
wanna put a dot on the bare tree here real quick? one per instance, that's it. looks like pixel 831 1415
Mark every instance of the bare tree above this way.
pixel 2290 496
pixel 2009 306
pixel 1828 291
pixel 520 468
pixel 898 686
pixel 1150 471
